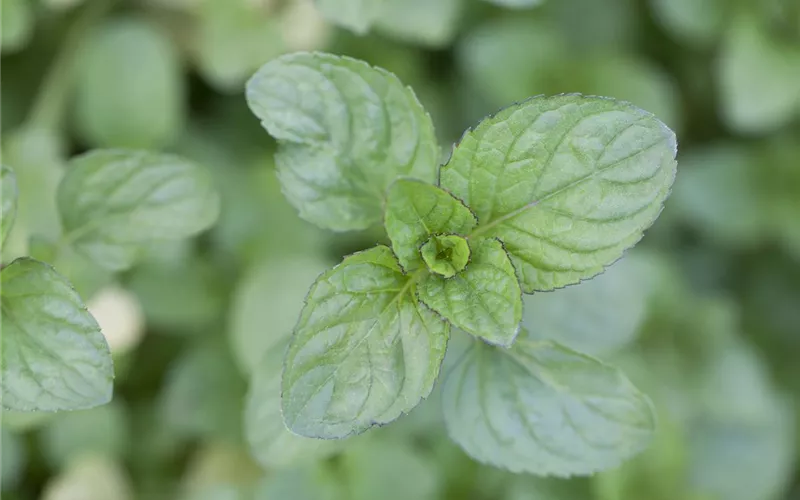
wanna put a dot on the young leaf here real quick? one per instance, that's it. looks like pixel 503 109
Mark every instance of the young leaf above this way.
pixel 270 441
pixel 54 356
pixel 112 202
pixel 346 132
pixel 129 90
pixel 539 407
pixel 484 299
pixel 415 211
pixel 8 202
pixel 364 351
pixel 355 15
pixel 567 183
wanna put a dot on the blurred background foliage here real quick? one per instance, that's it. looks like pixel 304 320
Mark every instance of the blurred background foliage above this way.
pixel 704 314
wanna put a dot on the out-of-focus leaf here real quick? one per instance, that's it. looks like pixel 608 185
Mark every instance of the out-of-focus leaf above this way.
pixel 218 464
pixel 355 15
pixel 18 20
pixel 271 443
pixel 93 477
pixel 8 199
pixel 364 350
pixel 203 395
pixel 314 482
pixel 529 487
pixel 102 431
pixel 54 356
pixel 130 91
pixel 696 23
pixel 119 314
pixel 389 470
pixel 13 458
pixel 567 183
pixel 758 75
pixel 303 27
pixel 718 193
pixel 423 22
pixel 21 421
pixel 346 132
pixel 267 305
pixel 541 408
pixel 234 38
pixel 112 202
pixel 516 4
pixel 597 317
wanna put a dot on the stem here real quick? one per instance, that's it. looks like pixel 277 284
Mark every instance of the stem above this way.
pixel 48 108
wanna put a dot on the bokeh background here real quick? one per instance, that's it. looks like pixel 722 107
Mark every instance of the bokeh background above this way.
pixel 704 314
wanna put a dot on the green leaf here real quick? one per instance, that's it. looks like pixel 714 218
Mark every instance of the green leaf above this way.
pixel 698 23
pixel 92 477
pixel 364 351
pixel 598 317
pixel 542 408
pixel 267 303
pixel 390 470
pixel 758 76
pixel 316 482
pixel 8 202
pixel 446 254
pixel 129 88
pixel 54 356
pixel 355 15
pixel 346 132
pixel 516 4
pixel 113 202
pixel 270 441
pixel 13 458
pixel 102 430
pixel 484 299
pixel 576 182
pixel 18 20
pixel 432 24
pixel 415 211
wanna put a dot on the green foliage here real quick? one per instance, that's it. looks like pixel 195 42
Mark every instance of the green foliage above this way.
pixel 8 207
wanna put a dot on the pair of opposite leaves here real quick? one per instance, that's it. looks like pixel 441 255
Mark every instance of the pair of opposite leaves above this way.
pixel 541 195
pixel 53 355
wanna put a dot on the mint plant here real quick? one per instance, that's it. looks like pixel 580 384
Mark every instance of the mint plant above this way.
pixel 113 203
pixel 542 195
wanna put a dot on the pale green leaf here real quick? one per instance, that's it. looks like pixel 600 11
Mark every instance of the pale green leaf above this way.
pixel 92 477
pixel 758 75
pixel 113 202
pixel 484 299
pixel 315 482
pixel 269 440
pixel 8 202
pixel 433 24
pixel 102 430
pixel 567 183
pixel 54 356
pixel 542 408
pixel 346 132
pixel 13 458
pixel 698 23
pixel 267 303
pixel 354 15
pixel 129 90
pixel 516 4
pixel 389 470
pixel 18 20
pixel 600 316
pixel 364 351
pixel 417 210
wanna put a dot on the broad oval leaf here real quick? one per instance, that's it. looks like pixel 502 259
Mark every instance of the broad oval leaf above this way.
pixel 484 299
pixel 8 202
pixel 129 90
pixel 270 441
pixel 113 202
pixel 54 356
pixel 417 210
pixel 567 183
pixel 598 317
pixel 346 132
pixel 542 408
pixel 364 351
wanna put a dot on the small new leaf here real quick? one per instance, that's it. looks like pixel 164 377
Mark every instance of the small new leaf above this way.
pixel 484 299
pixel 415 211
pixel 364 350
pixel 270 441
pixel 54 356
pixel 346 131
pixel 8 202
pixel 541 408
pixel 567 183
pixel 112 202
